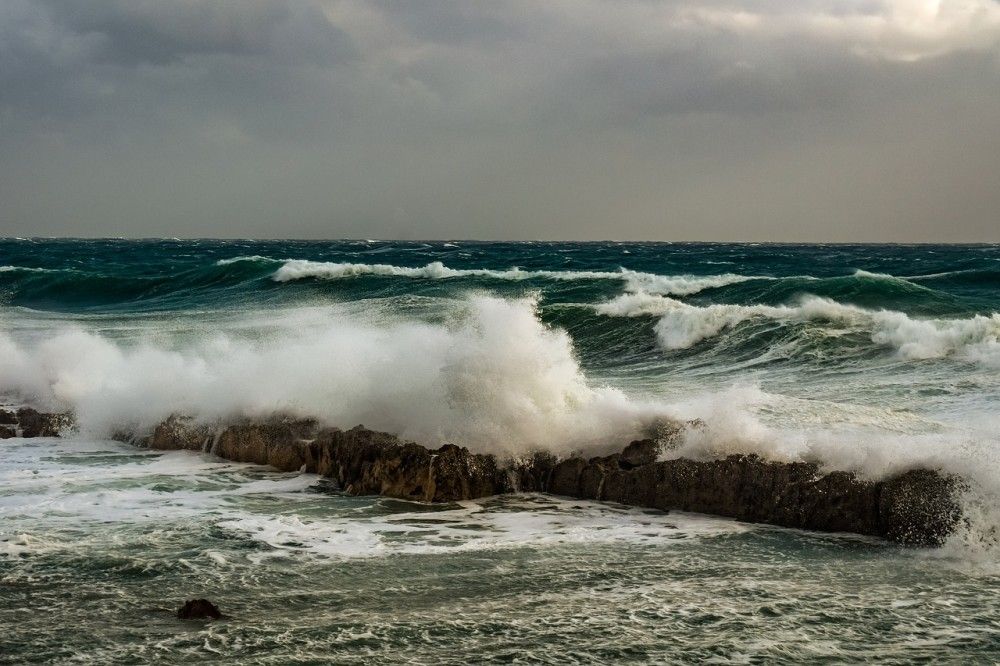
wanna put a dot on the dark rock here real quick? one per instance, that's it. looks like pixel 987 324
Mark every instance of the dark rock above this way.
pixel 6 432
pixel 532 473
pixel 566 477
pixel 280 444
pixel 7 417
pixel 639 452
pixel 38 424
pixel 366 462
pixel 177 432
pixel 919 507
pixel 591 481
pixel 199 609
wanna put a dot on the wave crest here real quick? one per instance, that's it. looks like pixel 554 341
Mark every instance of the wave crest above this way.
pixel 683 325
pixel 498 379
pixel 677 285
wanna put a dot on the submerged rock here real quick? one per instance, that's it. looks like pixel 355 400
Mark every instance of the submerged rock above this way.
pixel 919 507
pixel 199 609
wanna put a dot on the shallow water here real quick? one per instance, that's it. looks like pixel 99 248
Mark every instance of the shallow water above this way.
pixel 102 542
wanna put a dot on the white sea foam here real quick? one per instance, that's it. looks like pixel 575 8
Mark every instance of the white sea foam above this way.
pixel 681 285
pixel 476 526
pixel 297 269
pixel 494 378
pixel 26 269
pixel 51 485
pixel 236 260
pixel 682 325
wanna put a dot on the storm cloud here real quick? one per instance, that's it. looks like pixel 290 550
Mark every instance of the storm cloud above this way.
pixel 780 120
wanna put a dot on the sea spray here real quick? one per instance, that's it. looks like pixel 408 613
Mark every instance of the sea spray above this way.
pixel 496 379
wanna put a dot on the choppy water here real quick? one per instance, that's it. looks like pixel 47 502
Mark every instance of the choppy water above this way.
pixel 869 358
pixel 100 543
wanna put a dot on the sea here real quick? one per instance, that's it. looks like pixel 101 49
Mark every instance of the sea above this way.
pixel 867 358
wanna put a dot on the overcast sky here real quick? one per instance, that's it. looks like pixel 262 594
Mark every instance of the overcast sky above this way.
pixel 776 120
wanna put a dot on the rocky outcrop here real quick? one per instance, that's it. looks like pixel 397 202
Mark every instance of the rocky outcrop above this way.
pixel 28 422
pixel 361 461
pixel 919 507
pixel 199 609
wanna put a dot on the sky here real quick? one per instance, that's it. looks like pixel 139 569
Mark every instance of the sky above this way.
pixel 760 120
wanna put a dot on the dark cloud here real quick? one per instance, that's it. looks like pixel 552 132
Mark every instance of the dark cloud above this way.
pixel 138 32
pixel 767 120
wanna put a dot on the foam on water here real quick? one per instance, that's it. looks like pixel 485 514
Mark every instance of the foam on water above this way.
pixel 525 521
pixel 300 572
pixel 51 486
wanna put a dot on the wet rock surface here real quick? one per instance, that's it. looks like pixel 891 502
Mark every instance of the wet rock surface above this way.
pixel 29 422
pixel 199 609
pixel 918 507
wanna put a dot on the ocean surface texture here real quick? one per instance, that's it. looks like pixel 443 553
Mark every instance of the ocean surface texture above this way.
pixel 872 359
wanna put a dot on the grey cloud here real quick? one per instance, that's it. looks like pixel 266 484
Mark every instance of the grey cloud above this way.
pixel 766 120
pixel 135 32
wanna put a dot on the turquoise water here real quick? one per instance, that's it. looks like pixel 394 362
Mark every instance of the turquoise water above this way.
pixel 868 358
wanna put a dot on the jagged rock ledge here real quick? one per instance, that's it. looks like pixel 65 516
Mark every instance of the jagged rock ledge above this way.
pixel 919 507
pixel 29 422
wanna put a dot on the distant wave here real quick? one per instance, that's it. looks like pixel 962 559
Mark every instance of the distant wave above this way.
pixel 683 325
pixel 251 258
pixel 27 269
pixel 74 287
pixel 297 269
pixel 681 285
pixel 677 285
pixel 635 281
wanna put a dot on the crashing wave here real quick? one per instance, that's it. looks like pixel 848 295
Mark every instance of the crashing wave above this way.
pixel 498 379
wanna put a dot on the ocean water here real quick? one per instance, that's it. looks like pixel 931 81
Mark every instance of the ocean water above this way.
pixel 867 358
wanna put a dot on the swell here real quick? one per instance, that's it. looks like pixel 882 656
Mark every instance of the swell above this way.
pixel 291 270
pixel 62 289
pixel 157 286
pixel 683 325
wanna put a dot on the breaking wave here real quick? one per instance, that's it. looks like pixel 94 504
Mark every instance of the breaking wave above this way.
pixel 678 285
pixel 496 379
pixel 682 325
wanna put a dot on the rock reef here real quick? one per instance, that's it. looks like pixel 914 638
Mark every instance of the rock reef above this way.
pixel 918 507
pixel 199 609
